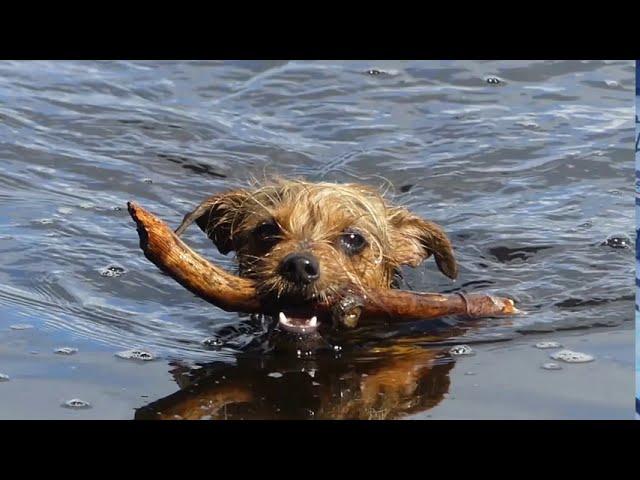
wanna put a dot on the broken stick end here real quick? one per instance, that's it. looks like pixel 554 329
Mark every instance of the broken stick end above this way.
pixel 509 307
pixel 136 213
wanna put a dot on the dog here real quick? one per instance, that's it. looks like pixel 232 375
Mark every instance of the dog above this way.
pixel 303 242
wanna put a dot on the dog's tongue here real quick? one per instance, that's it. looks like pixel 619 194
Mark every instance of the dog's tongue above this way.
pixel 297 324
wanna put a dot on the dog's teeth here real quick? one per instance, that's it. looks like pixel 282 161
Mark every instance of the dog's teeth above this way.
pixel 283 318
pixel 313 322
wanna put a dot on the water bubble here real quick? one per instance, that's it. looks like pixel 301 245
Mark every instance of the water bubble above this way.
pixel 374 72
pixel 612 83
pixel 147 180
pixel 337 348
pixel 40 168
pixel 274 375
pixel 4 377
pixel 112 271
pixel 587 224
pixel 76 403
pixel 470 373
pixel 212 342
pixel 66 350
pixel 20 326
pixel 551 366
pixel 572 357
pixel 458 350
pixel 544 345
pixel 136 354
pixel 493 81
pixel 617 241
pixel 528 124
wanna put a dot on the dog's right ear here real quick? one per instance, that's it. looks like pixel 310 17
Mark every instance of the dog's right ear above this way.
pixel 216 216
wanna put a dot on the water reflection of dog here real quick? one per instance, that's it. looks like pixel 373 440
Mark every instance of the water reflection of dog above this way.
pixel 383 382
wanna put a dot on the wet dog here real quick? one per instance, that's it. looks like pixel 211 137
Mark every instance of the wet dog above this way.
pixel 302 242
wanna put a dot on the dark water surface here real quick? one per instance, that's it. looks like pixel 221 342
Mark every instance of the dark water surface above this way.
pixel 637 185
pixel 528 166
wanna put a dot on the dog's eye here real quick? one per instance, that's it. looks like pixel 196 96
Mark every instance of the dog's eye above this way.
pixel 267 231
pixel 352 242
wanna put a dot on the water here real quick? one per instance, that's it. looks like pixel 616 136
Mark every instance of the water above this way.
pixel 637 185
pixel 530 175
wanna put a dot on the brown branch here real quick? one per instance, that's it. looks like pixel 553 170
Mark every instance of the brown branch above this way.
pixel 235 294
pixel 196 274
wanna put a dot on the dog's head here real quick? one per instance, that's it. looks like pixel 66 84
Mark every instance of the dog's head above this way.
pixel 304 241
pixel 301 240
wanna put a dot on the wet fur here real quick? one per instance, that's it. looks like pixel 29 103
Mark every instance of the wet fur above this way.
pixel 311 218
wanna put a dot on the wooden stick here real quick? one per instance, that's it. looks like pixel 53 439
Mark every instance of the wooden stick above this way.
pixel 196 274
pixel 235 294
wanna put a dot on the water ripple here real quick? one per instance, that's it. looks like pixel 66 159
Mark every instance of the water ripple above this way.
pixel 528 176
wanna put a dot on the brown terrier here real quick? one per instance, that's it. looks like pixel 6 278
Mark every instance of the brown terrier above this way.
pixel 302 241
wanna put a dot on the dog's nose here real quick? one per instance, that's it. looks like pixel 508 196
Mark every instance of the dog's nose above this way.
pixel 300 267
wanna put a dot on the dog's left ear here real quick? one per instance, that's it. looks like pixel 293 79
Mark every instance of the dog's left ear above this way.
pixel 415 240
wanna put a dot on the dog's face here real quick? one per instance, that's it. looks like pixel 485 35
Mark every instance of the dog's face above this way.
pixel 303 241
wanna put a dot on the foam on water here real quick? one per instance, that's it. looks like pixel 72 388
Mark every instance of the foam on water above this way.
pixel 136 354
pixel 570 356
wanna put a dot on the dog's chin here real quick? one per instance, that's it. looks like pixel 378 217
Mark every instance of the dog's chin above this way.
pixel 295 313
pixel 299 327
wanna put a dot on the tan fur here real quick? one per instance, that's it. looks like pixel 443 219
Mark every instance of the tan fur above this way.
pixel 311 218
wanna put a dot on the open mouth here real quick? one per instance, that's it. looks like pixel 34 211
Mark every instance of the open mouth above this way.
pixel 302 321
pixel 297 324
